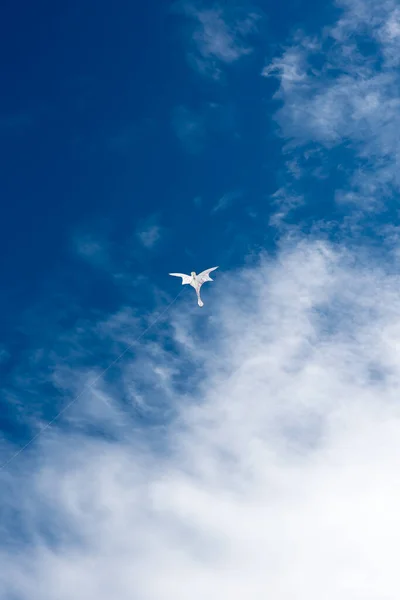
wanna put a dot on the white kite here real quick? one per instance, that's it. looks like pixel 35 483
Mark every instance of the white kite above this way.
pixel 196 281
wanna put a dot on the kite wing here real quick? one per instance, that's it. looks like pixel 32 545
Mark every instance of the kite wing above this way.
pixel 205 275
pixel 186 279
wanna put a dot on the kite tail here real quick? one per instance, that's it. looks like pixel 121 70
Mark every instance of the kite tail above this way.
pixel 199 300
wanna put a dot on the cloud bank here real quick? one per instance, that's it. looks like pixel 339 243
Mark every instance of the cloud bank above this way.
pixel 339 108
pixel 277 475
pixel 220 34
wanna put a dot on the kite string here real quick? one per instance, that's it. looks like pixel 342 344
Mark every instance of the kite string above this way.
pixel 88 386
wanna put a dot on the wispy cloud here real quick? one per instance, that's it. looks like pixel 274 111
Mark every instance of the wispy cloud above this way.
pixel 88 246
pixel 278 474
pixel 189 128
pixel 99 246
pixel 149 232
pixel 93 247
pixel 226 201
pixel 150 235
pixel 339 90
pixel 220 35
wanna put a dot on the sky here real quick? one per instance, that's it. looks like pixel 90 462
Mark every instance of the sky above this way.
pixel 150 449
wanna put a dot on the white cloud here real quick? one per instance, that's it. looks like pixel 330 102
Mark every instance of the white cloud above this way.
pixel 149 232
pixel 340 90
pixel 226 201
pixel 189 127
pixel 93 248
pixel 149 236
pixel 220 35
pixel 89 247
pixel 279 477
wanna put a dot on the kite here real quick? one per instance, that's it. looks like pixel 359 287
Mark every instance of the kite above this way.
pixel 196 281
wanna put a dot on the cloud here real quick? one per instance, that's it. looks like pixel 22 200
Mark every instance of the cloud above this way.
pixel 148 232
pixel 277 475
pixel 339 92
pixel 149 236
pixel 226 200
pixel 189 127
pixel 91 248
pixel 220 35
pixel 96 248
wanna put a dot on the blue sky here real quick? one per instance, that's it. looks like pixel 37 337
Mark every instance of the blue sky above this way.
pixel 142 138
